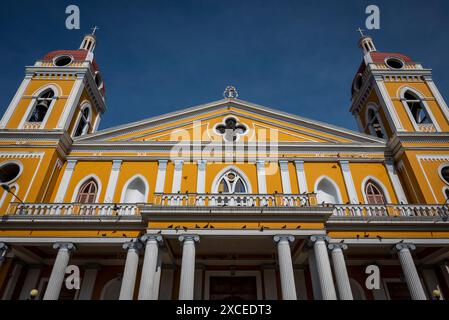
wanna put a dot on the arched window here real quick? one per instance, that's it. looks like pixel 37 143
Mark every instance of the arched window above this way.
pixel 135 191
pixel 83 123
pixel 417 108
pixel 374 194
pixel 231 182
pixel 326 192
pixel 374 125
pixel 43 102
pixel 88 192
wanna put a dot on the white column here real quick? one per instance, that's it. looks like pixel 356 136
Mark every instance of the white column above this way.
pixel 72 101
pixel 186 287
pixel 301 176
pixel 411 274
pixel 161 173
pixel 286 266
pixel 31 281
pixel 112 183
pixel 12 282
pixel 349 182
pixel 150 261
pixel 285 177
pixel 88 281
pixel 201 177
pixel 316 287
pixel 58 272
pixel 323 266
pixel 340 271
pixel 177 176
pixel 387 104
pixel 130 272
pixel 400 194
pixel 157 277
pixel 436 93
pixel 65 181
pixel 12 106
pixel 3 251
pixel 261 177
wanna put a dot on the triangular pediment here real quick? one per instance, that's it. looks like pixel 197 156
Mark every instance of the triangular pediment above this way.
pixel 248 123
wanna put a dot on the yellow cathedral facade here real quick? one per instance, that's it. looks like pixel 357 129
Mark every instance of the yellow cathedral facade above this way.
pixel 224 200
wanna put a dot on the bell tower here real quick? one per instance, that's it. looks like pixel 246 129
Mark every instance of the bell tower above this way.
pixel 394 98
pixel 391 93
pixel 63 92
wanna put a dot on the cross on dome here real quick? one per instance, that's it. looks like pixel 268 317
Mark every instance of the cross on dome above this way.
pixel 95 28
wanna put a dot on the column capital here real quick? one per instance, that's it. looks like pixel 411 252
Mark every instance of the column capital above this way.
pixel 3 250
pixel 337 246
pixel 283 164
pixel 299 163
pixel 404 246
pixel 201 163
pixel 189 237
pixel 178 164
pixel 260 163
pixel 116 164
pixel 319 237
pixel 71 164
pixel 3 246
pixel 283 237
pixel 64 246
pixel 133 245
pixel 152 237
pixel 162 162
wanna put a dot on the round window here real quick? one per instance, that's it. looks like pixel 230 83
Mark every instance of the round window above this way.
pixel 62 61
pixel 394 63
pixel 9 172
pixel 445 174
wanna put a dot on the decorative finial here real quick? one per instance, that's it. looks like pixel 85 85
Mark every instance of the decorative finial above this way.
pixel 361 32
pixel 230 93
pixel 95 28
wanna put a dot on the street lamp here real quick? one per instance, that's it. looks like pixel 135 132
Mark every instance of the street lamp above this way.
pixel 8 189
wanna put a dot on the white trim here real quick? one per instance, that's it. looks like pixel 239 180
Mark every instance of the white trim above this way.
pixel 130 180
pixel 112 183
pixel 228 273
pixel 64 184
pixel 17 162
pixel 440 167
pixel 397 186
pixel 391 112
pixel 375 108
pixel 285 177
pixel 57 93
pixel 349 182
pixel 83 105
pixel 401 91
pixel 161 173
pixel 177 176
pixel 201 176
pixel 82 181
pixel 242 175
pixel 15 101
pixel 71 102
pixel 301 176
pixel 317 182
pixel 261 177
pixel 97 123
pixel 436 93
pixel 379 184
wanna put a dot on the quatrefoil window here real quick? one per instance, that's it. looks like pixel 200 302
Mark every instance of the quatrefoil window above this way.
pixel 231 129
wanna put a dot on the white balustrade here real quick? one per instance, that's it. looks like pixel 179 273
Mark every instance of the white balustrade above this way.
pixel 67 209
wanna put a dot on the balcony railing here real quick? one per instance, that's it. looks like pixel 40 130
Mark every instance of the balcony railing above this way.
pixel 395 210
pixel 71 209
pixel 233 200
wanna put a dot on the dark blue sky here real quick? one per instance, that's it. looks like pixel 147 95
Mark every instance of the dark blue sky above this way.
pixel 161 56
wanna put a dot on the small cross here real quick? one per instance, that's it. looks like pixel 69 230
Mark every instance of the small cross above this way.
pixel 361 32
pixel 94 29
